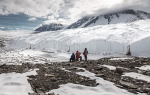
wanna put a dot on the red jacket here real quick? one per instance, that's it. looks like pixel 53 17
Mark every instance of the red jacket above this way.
pixel 78 54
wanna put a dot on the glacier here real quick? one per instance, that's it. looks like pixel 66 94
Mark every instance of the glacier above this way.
pixel 98 39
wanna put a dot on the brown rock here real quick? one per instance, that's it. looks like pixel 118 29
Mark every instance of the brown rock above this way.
pixel 120 70
pixel 49 75
pixel 98 68
pixel 54 85
pixel 128 85
pixel 100 75
pixel 146 90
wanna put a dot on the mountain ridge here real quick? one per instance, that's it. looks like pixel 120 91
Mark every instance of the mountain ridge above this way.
pixel 124 16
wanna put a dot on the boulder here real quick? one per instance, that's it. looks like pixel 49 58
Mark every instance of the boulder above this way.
pixel 49 75
pixel 97 68
pixel 50 94
pixel 128 85
pixel 146 90
pixel 53 79
pixel 100 75
pixel 54 85
pixel 72 68
pixel 147 72
pixel 141 71
pixel 120 70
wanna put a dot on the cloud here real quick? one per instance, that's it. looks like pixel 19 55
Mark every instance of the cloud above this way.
pixel 68 11
pixel 32 19
pixel 2 27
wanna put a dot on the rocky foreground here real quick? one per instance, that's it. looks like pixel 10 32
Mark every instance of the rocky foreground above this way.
pixel 51 75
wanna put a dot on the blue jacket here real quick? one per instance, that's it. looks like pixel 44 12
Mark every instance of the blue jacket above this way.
pixel 73 56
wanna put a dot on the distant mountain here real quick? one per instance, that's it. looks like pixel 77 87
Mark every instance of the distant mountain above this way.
pixel 50 27
pixel 111 18
pixel 89 21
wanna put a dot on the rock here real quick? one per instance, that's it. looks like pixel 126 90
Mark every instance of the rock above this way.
pixel 128 85
pixel 81 62
pixel 98 68
pixel 49 75
pixel 141 72
pixel 37 90
pixel 54 85
pixel 147 73
pixel 100 75
pixel 120 70
pixel 53 79
pixel 50 94
pixel 131 66
pixel 68 64
pixel 30 79
pixel 84 66
pixel 32 76
pixel 148 84
pixel 119 86
pixel 25 70
pixel 1 66
pixel 146 90
pixel 73 68
pixel 40 94
pixel 139 90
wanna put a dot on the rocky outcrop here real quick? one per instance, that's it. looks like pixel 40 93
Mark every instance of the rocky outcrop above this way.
pixel 49 27
pixel 128 85
pixel 49 78
pixel 120 70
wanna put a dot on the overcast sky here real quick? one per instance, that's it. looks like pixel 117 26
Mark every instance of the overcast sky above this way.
pixel 68 11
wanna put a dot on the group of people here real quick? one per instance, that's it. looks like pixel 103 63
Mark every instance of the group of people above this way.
pixel 77 56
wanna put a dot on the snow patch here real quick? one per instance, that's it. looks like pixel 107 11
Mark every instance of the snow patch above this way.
pixel 15 83
pixel 145 67
pixel 104 87
pixel 109 67
pixel 120 58
pixel 138 76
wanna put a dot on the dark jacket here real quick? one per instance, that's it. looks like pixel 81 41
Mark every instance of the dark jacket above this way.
pixel 85 53
pixel 73 56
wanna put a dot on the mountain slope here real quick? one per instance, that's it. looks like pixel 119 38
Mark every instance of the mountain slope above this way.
pixel 50 27
pixel 112 18
pixel 89 21
pixel 97 39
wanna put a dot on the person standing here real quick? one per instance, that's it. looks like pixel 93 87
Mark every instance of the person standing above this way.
pixel 78 56
pixel 85 53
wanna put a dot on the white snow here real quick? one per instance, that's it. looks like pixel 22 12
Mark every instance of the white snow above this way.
pixel 15 83
pixel 17 57
pixel 109 67
pixel 104 87
pixel 138 76
pixel 120 58
pixel 98 39
pixel 62 56
pixel 31 53
pixel 145 67
pixel 122 18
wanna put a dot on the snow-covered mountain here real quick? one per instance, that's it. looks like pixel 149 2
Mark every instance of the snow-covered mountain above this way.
pixel 88 21
pixel 111 18
pixel 49 27
pixel 97 39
